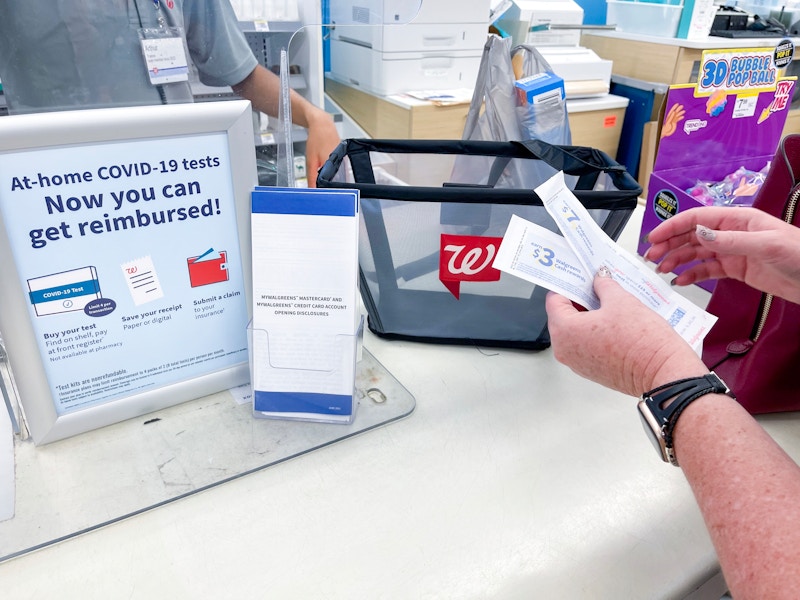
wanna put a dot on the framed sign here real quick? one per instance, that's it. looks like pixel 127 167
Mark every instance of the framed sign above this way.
pixel 124 259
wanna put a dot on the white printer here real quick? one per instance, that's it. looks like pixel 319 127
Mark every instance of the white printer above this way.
pixel 540 14
pixel 585 74
pixel 389 50
pixel 554 28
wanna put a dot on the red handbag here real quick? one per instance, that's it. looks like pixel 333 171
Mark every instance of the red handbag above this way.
pixel 755 344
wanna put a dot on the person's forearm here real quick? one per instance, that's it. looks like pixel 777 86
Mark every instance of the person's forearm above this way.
pixel 748 490
pixel 263 89
pixel 304 113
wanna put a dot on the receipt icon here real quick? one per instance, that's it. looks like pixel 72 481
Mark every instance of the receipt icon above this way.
pixel 142 280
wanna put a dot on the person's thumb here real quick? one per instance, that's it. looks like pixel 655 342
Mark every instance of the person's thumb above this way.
pixel 604 285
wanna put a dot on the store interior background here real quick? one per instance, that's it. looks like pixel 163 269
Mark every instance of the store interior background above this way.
pixel 617 59
pixel 616 81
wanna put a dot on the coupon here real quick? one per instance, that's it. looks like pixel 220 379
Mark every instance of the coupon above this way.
pixel 535 254
pixel 591 248
pixel 595 249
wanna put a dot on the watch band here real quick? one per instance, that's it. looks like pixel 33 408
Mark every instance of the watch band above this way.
pixel 684 392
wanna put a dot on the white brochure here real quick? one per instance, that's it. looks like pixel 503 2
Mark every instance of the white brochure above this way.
pixel 305 303
pixel 535 254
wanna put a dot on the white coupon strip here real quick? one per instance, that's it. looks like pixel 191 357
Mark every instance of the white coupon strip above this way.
pixel 592 248
pixel 535 254
pixel 595 249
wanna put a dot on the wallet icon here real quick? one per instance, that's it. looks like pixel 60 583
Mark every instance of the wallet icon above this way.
pixel 210 267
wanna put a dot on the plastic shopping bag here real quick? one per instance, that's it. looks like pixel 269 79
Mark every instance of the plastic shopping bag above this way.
pixel 499 113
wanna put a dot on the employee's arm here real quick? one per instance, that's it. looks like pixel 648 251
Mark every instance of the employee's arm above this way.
pixel 747 488
pixel 262 88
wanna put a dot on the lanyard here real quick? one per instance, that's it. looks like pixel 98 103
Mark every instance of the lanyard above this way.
pixel 157 4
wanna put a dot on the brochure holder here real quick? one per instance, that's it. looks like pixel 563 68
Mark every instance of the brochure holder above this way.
pixel 284 360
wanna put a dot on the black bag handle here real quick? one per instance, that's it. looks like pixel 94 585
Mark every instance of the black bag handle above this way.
pixel 562 158
pixel 584 162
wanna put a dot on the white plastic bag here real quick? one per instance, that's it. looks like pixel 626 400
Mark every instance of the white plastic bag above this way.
pixel 497 113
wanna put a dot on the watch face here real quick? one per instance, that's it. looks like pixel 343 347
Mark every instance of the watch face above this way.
pixel 652 429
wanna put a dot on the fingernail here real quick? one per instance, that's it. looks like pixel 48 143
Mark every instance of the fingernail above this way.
pixel 707 234
pixel 604 272
pixel 673 281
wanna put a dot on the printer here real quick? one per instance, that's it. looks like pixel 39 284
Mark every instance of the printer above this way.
pixel 539 15
pixel 553 27
pixel 585 74
pixel 384 49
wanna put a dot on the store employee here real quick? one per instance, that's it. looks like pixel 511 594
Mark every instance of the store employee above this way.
pixel 68 54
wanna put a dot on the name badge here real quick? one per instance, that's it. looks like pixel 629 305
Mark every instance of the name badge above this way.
pixel 165 59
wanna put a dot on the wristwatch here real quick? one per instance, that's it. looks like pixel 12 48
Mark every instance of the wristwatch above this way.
pixel 660 408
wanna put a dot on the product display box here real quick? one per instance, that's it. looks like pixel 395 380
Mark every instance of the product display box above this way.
pixel 542 87
pixel 708 137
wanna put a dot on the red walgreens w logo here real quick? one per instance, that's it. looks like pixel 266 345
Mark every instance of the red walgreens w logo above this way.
pixel 467 258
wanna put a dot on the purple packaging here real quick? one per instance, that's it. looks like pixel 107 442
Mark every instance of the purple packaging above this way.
pixel 705 138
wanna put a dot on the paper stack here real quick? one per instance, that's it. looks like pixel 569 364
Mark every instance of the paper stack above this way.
pixel 306 320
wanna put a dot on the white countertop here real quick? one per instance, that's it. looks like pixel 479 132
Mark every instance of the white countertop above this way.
pixel 513 478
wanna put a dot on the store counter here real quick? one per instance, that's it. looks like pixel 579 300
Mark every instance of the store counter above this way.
pixel 513 478
pixel 596 122
pixel 662 59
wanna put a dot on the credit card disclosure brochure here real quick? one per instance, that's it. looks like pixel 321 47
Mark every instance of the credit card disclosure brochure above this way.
pixel 536 254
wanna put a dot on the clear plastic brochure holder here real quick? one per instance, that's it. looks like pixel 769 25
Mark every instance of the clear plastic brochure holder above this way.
pixel 305 377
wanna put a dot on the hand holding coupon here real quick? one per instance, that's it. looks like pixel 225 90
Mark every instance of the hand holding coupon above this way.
pixel 567 265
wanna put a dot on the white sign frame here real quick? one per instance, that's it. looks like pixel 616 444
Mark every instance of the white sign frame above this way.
pixel 84 128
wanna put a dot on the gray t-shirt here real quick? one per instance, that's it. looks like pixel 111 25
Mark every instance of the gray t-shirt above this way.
pixel 67 54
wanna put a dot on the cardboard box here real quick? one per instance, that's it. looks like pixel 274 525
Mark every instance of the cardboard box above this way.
pixel 542 87
pixel 597 122
pixel 711 137
pixel 396 117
